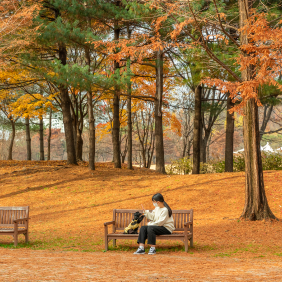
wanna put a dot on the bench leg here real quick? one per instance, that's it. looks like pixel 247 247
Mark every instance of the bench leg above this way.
pixel 16 239
pixel 186 244
pixel 106 244
pixel 114 242
pixel 191 242
pixel 26 237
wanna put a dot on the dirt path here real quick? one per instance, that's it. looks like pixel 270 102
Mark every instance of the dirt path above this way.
pixel 28 265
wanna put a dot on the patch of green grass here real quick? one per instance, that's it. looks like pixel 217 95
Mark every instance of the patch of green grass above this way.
pixel 222 255
pixel 278 254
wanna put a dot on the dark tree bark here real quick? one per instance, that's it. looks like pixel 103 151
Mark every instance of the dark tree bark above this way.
pixel 256 205
pixel 49 136
pixel 197 131
pixel 67 118
pixel 65 105
pixel 91 120
pixel 129 132
pixel 41 139
pixel 266 117
pixel 129 121
pixel 159 142
pixel 229 137
pixel 79 145
pixel 28 140
pixel 10 154
pixel 116 122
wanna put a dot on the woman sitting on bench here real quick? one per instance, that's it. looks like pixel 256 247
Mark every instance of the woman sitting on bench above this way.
pixel 161 223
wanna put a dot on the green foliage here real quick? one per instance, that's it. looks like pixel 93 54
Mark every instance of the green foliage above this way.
pixel 270 161
pixel 180 166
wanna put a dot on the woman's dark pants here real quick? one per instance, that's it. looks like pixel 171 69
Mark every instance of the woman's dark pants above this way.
pixel 150 232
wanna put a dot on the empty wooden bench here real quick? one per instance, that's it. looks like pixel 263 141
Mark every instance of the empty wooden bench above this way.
pixel 183 222
pixel 14 221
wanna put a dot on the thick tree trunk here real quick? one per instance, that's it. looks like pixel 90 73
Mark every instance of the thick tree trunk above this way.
pixel 116 122
pixel 49 136
pixel 41 139
pixel 229 137
pixel 256 205
pixel 28 140
pixel 65 104
pixel 159 142
pixel 79 145
pixel 197 131
pixel 10 154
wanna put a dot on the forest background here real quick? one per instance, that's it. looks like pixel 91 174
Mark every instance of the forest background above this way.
pixel 169 79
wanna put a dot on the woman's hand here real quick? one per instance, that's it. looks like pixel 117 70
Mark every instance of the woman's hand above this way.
pixel 143 208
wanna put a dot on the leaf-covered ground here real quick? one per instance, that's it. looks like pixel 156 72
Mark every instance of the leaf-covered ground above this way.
pixel 69 204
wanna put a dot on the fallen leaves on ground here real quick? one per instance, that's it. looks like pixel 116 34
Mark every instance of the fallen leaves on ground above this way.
pixel 69 204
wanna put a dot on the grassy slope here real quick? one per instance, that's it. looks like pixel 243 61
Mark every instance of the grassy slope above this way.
pixel 69 204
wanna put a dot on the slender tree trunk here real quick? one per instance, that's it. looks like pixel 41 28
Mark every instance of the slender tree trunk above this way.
pixel 91 131
pixel 41 134
pixel 197 131
pixel 159 141
pixel 129 121
pixel 229 137
pixel 28 140
pixel 266 117
pixel 91 120
pixel 256 205
pixel 10 155
pixel 116 122
pixel 49 136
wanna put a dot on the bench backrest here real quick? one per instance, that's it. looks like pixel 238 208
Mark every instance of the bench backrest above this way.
pixel 123 217
pixel 8 214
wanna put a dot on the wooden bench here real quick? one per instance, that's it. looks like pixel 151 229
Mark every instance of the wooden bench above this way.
pixel 183 222
pixel 14 221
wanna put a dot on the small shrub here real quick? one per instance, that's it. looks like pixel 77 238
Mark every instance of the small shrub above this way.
pixel 239 162
pixel 180 166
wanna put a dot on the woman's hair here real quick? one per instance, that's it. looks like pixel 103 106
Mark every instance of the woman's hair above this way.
pixel 159 198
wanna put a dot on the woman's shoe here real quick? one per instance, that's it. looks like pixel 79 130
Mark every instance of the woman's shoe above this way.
pixel 139 252
pixel 152 251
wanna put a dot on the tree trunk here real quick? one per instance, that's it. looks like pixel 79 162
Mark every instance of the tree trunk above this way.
pixel 159 142
pixel 79 145
pixel 41 134
pixel 91 132
pixel 65 104
pixel 129 121
pixel 197 131
pixel 28 140
pixel 229 137
pixel 266 117
pixel 91 119
pixel 49 136
pixel 10 155
pixel 256 205
pixel 116 122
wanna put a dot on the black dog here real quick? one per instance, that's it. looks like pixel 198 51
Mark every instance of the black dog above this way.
pixel 132 228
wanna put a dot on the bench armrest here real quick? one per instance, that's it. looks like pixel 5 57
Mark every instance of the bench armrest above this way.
pixel 188 223
pixel 21 219
pixel 109 223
